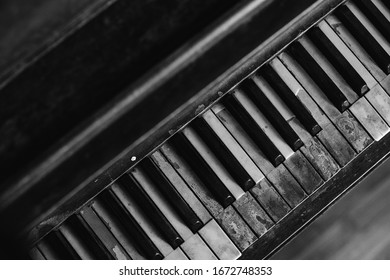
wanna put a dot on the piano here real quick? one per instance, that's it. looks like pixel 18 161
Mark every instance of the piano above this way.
pixel 192 131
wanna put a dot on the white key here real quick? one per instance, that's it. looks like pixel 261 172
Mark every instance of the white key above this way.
pixel 114 227
pixel 355 47
pixel 329 70
pixel 243 139
pixel 273 97
pixel 176 255
pixel 346 124
pixel 370 81
pixel 263 123
pixel 295 87
pixel 311 87
pixel 384 10
pixel 196 249
pixel 219 242
pixel 181 187
pixel 347 53
pixel 369 119
pixel 78 246
pixel 286 76
pixel 103 233
pixel 191 179
pixel 166 209
pixel 380 101
pixel 143 221
pixel 213 162
pixel 369 26
pixel 232 145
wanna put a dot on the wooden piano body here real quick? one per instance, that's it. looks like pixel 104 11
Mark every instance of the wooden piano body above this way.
pixel 124 79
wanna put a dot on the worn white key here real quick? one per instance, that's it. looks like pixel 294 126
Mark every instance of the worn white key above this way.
pixel 286 76
pixel 301 94
pixel 213 162
pixel 263 123
pixel 196 249
pixel 114 227
pixel 380 101
pixel 219 242
pixel 103 233
pixel 313 89
pixel 176 255
pixel 273 97
pixel 36 254
pixel 347 53
pixel 369 26
pixel 232 145
pixel 143 221
pixel 355 47
pixel 369 119
pixel 370 81
pixel 329 70
pixel 152 190
pixel 295 87
pixel 191 179
pixel 347 125
pixel 78 246
pixel 181 187
pixel 243 139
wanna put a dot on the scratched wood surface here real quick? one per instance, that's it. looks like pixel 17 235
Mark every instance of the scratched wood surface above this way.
pixel 356 227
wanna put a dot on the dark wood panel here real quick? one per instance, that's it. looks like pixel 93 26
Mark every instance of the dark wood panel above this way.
pixel 27 27
pixel 77 77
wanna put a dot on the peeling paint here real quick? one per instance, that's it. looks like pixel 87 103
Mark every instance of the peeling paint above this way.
pixel 336 27
pixel 118 253
pixel 233 228
pixel 222 119
pixel 175 165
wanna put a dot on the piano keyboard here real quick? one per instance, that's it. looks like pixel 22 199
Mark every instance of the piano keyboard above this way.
pixel 230 175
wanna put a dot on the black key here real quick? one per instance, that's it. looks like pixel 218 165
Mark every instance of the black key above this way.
pixel 271 113
pixel 253 130
pixel 364 37
pixel 223 153
pixel 88 238
pixel 375 16
pixel 338 61
pixel 288 97
pixel 319 76
pixel 142 242
pixel 172 195
pixel 202 170
pixel 55 247
pixel 136 191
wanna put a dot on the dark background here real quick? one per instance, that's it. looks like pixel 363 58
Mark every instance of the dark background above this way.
pixel 27 24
